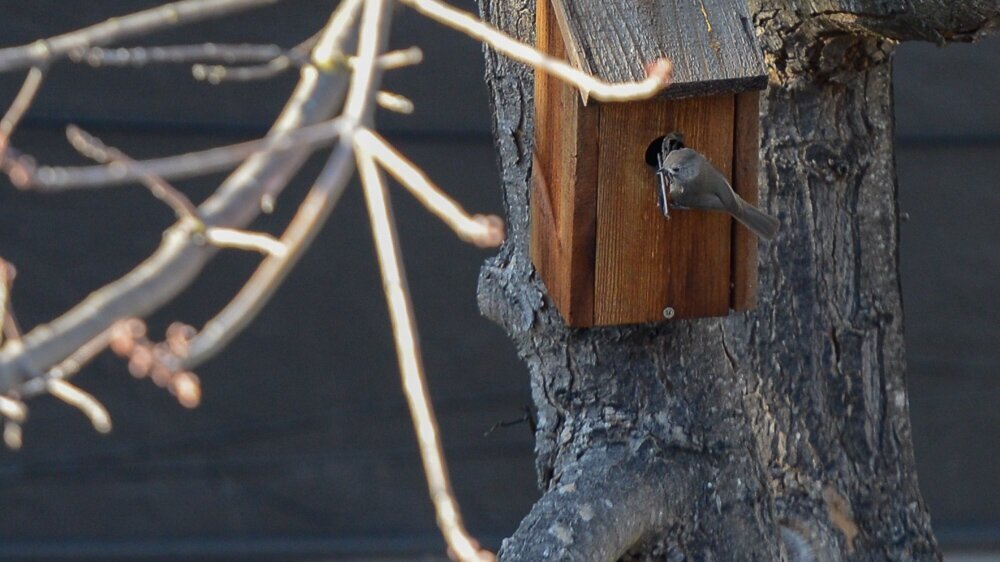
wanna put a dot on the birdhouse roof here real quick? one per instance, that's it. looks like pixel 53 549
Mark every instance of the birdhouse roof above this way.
pixel 710 42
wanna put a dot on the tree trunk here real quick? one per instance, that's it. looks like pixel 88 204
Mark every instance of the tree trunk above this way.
pixel 782 433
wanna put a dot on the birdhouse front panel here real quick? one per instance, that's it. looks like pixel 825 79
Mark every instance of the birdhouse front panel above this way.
pixel 645 262
pixel 603 248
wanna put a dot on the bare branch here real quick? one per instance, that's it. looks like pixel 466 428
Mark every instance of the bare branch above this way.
pixel 401 58
pixel 22 102
pixel 313 211
pixel 92 147
pixel 483 231
pixel 411 366
pixel 329 51
pixel 244 240
pixel 574 521
pixel 149 286
pixel 261 286
pixel 296 56
pixel 139 57
pixel 62 178
pixel 11 330
pixel 72 395
pixel 358 106
pixel 925 20
pixel 12 434
pixel 77 360
pixel 221 237
pixel 394 102
pixel 658 73
pixel 7 274
pixel 116 29
pixel 13 410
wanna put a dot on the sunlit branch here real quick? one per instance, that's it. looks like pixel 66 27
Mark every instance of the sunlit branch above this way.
pixel 12 409
pixel 483 231
pixel 138 57
pixel 18 108
pixel 13 435
pixel 394 102
pixel 177 260
pixel 411 365
pixel 7 273
pixel 116 29
pixel 222 237
pixel 269 68
pixel 401 58
pixel 658 73
pixel 245 240
pixel 92 147
pixel 181 166
pixel 94 410
pixel 257 291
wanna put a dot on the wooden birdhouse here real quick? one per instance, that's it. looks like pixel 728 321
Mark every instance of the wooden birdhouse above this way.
pixel 605 252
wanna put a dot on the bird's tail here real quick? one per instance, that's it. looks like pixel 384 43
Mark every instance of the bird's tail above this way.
pixel 761 223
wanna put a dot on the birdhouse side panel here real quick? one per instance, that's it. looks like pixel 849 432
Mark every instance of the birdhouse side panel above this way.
pixel 646 263
pixel 564 184
pixel 746 161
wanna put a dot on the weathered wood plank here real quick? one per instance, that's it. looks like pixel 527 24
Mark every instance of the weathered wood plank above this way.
pixel 564 185
pixel 711 42
pixel 746 157
pixel 646 263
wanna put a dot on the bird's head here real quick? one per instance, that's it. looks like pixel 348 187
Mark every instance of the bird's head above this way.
pixel 682 165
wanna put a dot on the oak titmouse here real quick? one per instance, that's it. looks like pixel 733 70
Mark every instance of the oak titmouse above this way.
pixel 695 184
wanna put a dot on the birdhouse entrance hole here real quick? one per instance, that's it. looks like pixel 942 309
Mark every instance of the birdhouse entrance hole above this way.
pixel 605 252
pixel 653 150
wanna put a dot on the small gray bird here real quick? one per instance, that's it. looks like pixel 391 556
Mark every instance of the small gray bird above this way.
pixel 695 184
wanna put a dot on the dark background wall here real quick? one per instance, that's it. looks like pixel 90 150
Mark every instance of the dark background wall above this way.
pixel 302 445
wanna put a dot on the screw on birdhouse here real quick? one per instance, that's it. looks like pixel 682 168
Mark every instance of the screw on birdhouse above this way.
pixel 668 313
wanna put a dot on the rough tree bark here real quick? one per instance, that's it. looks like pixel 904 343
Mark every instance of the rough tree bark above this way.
pixel 782 433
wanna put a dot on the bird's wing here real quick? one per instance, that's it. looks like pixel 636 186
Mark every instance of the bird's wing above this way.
pixel 722 190
pixel 704 201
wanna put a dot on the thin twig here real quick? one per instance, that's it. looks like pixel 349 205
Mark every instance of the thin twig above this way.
pixel 116 29
pixel 14 410
pixel 138 57
pixel 410 363
pixel 221 237
pixel 394 102
pixel 21 104
pixel 74 396
pixel 182 166
pixel 12 435
pixel 92 147
pixel 7 274
pixel 243 240
pixel 400 59
pixel 296 56
pixel 483 231
pixel 69 366
pixel 658 74
pixel 11 329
